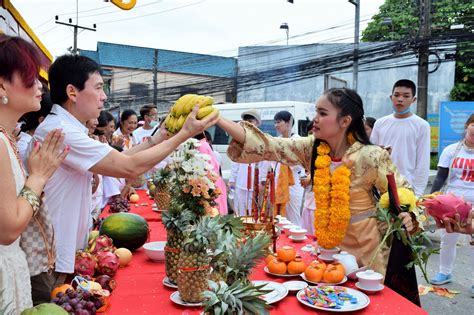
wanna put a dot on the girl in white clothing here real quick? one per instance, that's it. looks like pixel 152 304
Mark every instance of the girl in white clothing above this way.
pixel 456 166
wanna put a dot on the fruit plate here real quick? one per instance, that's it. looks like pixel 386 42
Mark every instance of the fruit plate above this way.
pixel 279 292
pixel 167 282
pixel 176 298
pixel 323 283
pixel 369 291
pixel 295 285
pixel 297 240
pixel 362 301
pixel 278 274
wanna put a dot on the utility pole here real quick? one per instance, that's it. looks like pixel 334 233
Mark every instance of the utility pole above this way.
pixel 76 27
pixel 355 67
pixel 423 55
pixel 155 77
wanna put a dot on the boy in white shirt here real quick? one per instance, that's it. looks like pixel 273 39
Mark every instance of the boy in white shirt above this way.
pixel 408 136
pixel 149 114
pixel 78 95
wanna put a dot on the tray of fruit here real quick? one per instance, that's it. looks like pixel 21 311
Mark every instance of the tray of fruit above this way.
pixel 319 272
pixel 285 263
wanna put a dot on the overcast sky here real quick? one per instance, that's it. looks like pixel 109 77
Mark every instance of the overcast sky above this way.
pixel 202 26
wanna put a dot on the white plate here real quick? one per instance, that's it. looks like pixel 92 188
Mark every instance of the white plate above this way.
pixel 291 237
pixel 380 288
pixel 325 259
pixel 308 248
pixel 325 283
pixel 353 275
pixel 295 285
pixel 279 291
pixel 176 298
pixel 278 274
pixel 169 284
pixel 362 301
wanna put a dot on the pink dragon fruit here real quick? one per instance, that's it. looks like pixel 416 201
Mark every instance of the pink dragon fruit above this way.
pixel 107 263
pixel 85 264
pixel 102 243
pixel 447 205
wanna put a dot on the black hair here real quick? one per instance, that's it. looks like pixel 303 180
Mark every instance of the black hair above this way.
pixel 285 116
pixel 405 83
pixel 105 118
pixel 127 114
pixel 248 117
pixel 31 120
pixel 370 121
pixel 349 103
pixel 69 69
pixel 145 110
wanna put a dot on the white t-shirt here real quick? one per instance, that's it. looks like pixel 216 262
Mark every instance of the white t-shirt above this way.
pixel 410 141
pixel 69 191
pixel 127 144
pixel 461 178
pixel 142 135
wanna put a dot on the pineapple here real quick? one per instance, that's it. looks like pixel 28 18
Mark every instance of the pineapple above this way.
pixel 244 256
pixel 175 222
pixel 225 244
pixel 238 298
pixel 232 224
pixel 194 260
pixel 161 183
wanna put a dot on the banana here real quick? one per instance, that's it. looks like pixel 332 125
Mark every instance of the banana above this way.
pixel 205 111
pixel 170 126
pixel 182 104
pixel 176 125
pixel 181 121
pixel 167 121
pixel 205 101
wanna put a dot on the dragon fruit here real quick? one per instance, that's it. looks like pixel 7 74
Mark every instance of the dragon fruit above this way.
pixel 102 243
pixel 448 205
pixel 85 264
pixel 107 263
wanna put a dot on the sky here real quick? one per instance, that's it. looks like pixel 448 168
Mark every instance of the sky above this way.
pixel 216 27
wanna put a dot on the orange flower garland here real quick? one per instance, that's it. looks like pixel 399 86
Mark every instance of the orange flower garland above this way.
pixel 331 194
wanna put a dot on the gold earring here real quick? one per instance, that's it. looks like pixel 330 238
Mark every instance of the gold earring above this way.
pixel 5 100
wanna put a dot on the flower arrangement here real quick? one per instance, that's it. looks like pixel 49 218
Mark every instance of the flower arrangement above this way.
pixel 331 194
pixel 418 241
pixel 194 181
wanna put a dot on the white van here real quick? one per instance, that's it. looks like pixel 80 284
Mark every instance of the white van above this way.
pixel 301 111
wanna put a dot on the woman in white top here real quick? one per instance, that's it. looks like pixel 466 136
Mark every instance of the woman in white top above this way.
pixel 456 168
pixel 128 123
pixel 20 93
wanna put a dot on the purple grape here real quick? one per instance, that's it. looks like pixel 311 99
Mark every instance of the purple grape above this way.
pixel 69 291
pixel 72 295
pixel 68 308
pixel 86 295
pixel 74 302
pixel 89 305
pixel 60 294
pixel 98 304
pixel 63 300
pixel 55 300
pixel 93 310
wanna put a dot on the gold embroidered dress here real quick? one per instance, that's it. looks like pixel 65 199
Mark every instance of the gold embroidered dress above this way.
pixel 369 165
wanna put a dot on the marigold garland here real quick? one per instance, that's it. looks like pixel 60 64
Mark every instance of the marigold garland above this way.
pixel 331 194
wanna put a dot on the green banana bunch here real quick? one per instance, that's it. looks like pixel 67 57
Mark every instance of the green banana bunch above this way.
pixel 174 121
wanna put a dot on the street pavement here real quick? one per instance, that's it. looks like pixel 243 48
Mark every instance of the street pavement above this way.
pixel 463 278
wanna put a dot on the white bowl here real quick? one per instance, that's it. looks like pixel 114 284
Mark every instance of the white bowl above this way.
pixel 282 222
pixel 369 279
pixel 155 250
pixel 326 253
pixel 297 232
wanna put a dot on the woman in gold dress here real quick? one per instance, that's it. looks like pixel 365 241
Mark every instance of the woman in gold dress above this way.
pixel 339 123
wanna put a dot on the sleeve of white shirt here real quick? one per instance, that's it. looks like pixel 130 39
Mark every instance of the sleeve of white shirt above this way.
pixel 446 157
pixel 374 136
pixel 422 169
pixel 85 152
pixel 233 172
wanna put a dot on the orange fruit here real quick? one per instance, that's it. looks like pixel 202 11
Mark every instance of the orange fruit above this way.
pixel 333 274
pixel 270 258
pixel 277 266
pixel 296 266
pixel 60 288
pixel 286 253
pixel 314 273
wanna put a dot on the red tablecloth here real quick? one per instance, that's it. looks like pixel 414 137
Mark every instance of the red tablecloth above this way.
pixel 140 289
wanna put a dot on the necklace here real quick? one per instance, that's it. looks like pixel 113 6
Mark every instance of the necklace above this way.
pixel 14 148
pixel 466 148
pixel 331 194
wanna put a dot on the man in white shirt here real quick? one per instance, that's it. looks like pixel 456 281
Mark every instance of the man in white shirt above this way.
pixel 78 95
pixel 149 113
pixel 408 136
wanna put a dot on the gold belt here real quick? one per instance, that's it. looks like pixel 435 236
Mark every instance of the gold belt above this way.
pixel 362 216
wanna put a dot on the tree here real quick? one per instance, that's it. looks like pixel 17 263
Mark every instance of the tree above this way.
pixel 399 20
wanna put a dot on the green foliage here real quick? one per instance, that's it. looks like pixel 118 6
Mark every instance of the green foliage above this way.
pixel 420 243
pixel 232 224
pixel 434 161
pixel 238 298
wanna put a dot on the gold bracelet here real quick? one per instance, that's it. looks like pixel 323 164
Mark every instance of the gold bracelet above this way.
pixel 33 199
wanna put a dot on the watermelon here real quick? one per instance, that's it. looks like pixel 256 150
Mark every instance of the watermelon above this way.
pixel 127 230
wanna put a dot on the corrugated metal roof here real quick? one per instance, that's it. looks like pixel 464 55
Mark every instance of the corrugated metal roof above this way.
pixel 118 55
